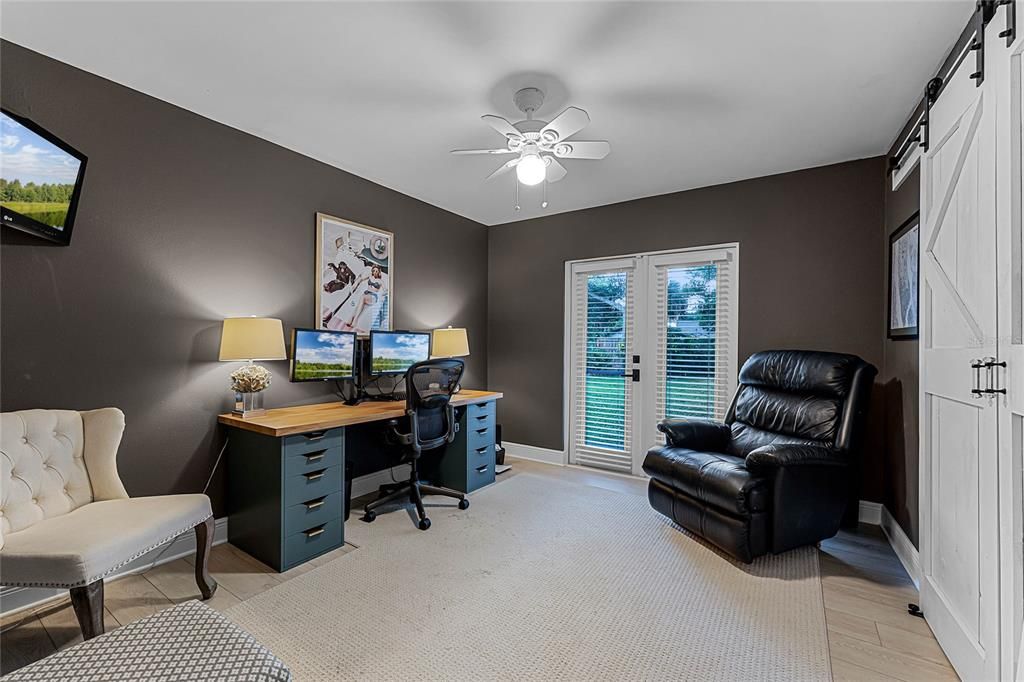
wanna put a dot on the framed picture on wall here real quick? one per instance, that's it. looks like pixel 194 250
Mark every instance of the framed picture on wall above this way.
pixel 904 249
pixel 354 275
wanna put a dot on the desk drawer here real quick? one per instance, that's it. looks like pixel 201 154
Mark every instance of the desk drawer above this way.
pixel 481 409
pixel 308 543
pixel 480 475
pixel 480 433
pixel 313 441
pixel 312 460
pixel 311 485
pixel 481 454
pixel 315 512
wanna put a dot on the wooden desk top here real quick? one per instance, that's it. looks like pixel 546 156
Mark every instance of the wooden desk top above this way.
pixel 287 421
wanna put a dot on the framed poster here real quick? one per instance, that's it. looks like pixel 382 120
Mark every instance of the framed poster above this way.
pixel 354 275
pixel 904 247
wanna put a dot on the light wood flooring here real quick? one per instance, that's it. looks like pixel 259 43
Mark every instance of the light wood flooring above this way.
pixel 865 589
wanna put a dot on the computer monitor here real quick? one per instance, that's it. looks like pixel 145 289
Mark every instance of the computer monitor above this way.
pixel 395 352
pixel 322 355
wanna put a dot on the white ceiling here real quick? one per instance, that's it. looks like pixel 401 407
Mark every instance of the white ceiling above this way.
pixel 688 94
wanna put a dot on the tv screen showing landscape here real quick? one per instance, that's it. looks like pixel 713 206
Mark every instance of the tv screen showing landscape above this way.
pixel 40 178
pixel 395 352
pixel 320 355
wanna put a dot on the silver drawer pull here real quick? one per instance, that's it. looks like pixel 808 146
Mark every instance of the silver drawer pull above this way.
pixel 481 431
pixel 482 469
pixel 313 533
pixel 315 456
pixel 483 449
pixel 314 504
pixel 315 475
pixel 316 435
pixel 482 417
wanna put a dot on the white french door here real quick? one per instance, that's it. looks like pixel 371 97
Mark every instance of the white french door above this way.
pixel 649 336
pixel 959 426
pixel 602 340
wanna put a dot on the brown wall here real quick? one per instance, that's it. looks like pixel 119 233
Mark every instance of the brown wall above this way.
pixel 182 222
pixel 811 276
pixel 899 375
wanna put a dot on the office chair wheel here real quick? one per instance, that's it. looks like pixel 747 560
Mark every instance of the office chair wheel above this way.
pixel 369 516
pixel 463 503
pixel 424 524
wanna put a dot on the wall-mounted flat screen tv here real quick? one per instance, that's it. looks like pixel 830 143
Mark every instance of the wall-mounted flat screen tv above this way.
pixel 40 179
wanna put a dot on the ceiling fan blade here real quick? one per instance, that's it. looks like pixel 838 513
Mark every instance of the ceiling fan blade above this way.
pixel 567 123
pixel 582 149
pixel 502 126
pixel 482 151
pixel 505 167
pixel 556 171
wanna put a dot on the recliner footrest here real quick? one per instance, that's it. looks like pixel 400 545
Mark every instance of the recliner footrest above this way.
pixel 744 538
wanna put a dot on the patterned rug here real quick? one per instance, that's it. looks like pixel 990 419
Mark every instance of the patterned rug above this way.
pixel 543 580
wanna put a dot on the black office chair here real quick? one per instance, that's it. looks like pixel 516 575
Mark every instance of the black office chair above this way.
pixel 429 387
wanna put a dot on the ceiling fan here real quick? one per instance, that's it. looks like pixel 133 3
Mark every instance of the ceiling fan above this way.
pixel 538 145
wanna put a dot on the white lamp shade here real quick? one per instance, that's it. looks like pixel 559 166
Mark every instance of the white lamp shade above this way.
pixel 450 343
pixel 252 338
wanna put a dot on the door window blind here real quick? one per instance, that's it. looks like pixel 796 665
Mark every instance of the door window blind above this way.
pixel 603 310
pixel 695 336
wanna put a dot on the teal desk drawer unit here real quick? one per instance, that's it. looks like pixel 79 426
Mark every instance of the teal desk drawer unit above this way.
pixel 286 470
pixel 286 495
pixel 468 462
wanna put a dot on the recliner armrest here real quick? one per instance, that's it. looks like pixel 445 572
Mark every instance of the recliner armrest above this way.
pixel 770 457
pixel 697 434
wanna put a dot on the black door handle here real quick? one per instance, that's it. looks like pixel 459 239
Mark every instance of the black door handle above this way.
pixel 634 375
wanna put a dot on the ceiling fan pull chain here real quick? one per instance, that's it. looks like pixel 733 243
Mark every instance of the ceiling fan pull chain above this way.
pixel 517 195
pixel 544 203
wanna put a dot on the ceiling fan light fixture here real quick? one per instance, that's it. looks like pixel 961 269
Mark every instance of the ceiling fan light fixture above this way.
pixel 531 169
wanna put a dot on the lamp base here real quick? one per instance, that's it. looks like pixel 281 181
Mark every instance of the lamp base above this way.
pixel 248 404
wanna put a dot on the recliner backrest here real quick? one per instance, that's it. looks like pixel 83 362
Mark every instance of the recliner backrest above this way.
pixel 799 397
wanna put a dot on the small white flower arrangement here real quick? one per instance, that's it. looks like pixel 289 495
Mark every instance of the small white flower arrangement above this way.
pixel 250 379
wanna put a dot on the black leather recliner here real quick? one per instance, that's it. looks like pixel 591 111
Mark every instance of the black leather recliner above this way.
pixel 776 475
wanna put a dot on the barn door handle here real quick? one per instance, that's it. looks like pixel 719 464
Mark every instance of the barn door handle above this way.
pixel 977 366
pixel 990 379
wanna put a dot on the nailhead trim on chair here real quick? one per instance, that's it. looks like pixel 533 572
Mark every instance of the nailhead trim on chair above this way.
pixel 108 572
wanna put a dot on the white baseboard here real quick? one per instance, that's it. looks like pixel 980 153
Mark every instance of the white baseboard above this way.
pixel 904 548
pixel 17 598
pixel 870 512
pixel 534 453
pixel 364 485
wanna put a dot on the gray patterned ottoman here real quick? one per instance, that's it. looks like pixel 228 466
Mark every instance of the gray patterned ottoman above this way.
pixel 190 641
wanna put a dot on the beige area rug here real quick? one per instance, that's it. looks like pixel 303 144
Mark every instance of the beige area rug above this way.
pixel 544 580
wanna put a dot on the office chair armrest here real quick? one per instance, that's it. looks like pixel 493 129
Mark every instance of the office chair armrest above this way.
pixel 398 436
pixel 453 426
pixel 696 434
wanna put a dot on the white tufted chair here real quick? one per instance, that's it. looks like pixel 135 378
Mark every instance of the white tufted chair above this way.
pixel 65 517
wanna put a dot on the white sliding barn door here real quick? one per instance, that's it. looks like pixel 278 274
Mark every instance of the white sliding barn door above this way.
pixel 1006 66
pixel 959 492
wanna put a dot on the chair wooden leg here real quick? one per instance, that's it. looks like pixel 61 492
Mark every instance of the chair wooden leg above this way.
pixel 88 604
pixel 204 541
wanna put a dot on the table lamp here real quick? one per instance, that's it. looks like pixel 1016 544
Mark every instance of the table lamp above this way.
pixel 251 339
pixel 449 343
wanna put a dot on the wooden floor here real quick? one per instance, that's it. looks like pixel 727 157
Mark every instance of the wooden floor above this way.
pixel 865 589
